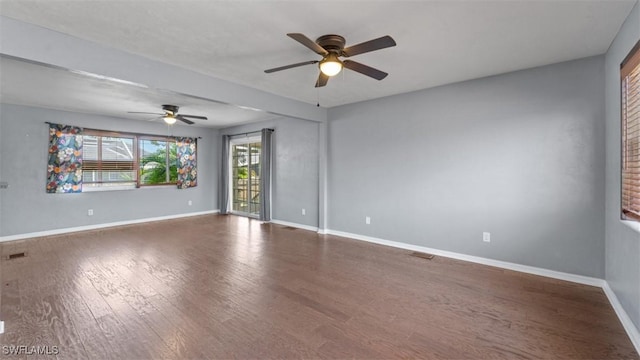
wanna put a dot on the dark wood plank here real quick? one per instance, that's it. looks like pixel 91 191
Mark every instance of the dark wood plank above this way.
pixel 230 287
pixel 11 314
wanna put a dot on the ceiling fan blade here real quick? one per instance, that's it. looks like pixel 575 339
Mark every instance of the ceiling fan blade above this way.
pixel 322 80
pixel 148 113
pixel 364 69
pixel 291 66
pixel 194 116
pixel 371 45
pixel 302 39
pixel 179 117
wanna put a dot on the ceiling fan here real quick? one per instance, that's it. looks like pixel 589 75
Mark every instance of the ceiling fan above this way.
pixel 170 115
pixel 331 47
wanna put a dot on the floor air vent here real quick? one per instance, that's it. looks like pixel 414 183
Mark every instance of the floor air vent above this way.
pixel 16 255
pixel 422 255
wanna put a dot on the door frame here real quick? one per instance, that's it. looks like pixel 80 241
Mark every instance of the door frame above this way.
pixel 240 141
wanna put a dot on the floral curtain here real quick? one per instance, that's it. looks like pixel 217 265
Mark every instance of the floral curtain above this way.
pixel 187 169
pixel 64 168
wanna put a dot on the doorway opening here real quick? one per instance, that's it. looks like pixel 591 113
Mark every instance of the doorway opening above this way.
pixel 245 176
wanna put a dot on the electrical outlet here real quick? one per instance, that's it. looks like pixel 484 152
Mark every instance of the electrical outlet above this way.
pixel 486 237
pixel 367 220
pixel 90 212
pixel 190 202
pixel 4 185
pixel 304 211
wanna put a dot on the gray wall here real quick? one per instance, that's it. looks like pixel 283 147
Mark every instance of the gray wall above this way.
pixel 622 242
pixel 520 155
pixel 25 207
pixel 295 168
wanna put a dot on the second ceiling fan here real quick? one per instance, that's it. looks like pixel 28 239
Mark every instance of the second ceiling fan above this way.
pixel 332 48
pixel 170 115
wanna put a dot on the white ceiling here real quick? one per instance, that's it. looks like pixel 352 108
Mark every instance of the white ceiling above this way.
pixel 439 42
pixel 26 83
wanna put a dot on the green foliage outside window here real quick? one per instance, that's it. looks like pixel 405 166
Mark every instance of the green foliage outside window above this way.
pixel 153 166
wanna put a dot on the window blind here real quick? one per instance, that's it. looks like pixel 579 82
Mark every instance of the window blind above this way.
pixel 109 159
pixel 630 110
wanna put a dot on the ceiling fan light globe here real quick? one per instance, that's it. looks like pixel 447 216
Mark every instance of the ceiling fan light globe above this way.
pixel 169 120
pixel 331 67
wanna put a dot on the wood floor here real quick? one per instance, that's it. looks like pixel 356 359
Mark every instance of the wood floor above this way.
pixel 229 287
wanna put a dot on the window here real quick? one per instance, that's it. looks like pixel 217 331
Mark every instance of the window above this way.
pixel 86 159
pixel 108 161
pixel 630 111
pixel 156 156
pixel 117 160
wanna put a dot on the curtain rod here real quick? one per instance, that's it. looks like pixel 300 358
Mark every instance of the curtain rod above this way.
pixel 247 133
pixel 122 132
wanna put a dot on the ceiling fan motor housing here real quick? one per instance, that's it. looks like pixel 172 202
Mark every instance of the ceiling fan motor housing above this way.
pixel 332 43
pixel 173 109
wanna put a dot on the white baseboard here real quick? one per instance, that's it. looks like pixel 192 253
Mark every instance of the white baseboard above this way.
pixel 626 321
pixel 295 225
pixel 586 280
pixel 101 226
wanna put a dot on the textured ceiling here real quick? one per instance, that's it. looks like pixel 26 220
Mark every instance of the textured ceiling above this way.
pixel 439 42
pixel 25 83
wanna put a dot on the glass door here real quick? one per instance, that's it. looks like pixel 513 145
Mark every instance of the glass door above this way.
pixel 245 176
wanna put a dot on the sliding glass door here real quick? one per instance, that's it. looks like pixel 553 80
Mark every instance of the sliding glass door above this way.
pixel 245 176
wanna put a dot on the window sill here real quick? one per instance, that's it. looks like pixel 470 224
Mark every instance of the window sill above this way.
pixel 634 225
pixel 126 187
pixel 108 188
pixel 165 186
